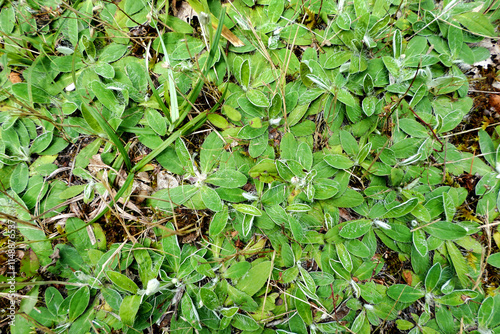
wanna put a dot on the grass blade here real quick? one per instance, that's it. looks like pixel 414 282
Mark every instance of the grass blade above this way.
pixel 153 88
pixel 174 107
pixel 111 134
pixel 187 105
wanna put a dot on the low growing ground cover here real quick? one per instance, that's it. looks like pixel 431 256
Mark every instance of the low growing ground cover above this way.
pixel 262 166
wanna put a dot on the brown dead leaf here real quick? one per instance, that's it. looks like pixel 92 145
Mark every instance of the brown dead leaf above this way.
pixel 345 215
pixel 227 34
pixel 407 276
pixel 96 164
pixel 186 13
pixel 15 77
pixel 495 102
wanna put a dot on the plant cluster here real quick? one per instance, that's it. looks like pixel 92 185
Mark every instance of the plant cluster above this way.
pixel 320 194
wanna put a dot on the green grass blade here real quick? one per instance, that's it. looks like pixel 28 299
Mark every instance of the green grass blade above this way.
pixel 154 90
pixel 174 107
pixel 187 105
pixel 194 123
pixel 111 134
pixel 102 122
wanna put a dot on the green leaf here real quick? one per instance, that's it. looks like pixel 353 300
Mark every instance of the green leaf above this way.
pixel 274 10
pixel 404 325
pixel 227 178
pixel 19 178
pixel 487 147
pixel 218 121
pixel 201 265
pixel 244 322
pixel 486 312
pixel 445 320
pixel 398 232
pixel 305 155
pixel 303 307
pixel 255 279
pixel 41 142
pixel 112 52
pixel 79 302
pixel 247 209
pixel 349 143
pixel 107 97
pixel 233 114
pixel 457 297
pixel 112 297
pixel 296 228
pixel 298 207
pixel 218 222
pixel 78 235
pixel 494 260
pixel 209 298
pixel 8 19
pixel 122 281
pixel 346 97
pixel 210 152
pixel 355 228
pixel 242 299
pixel 72 191
pixel 247 224
pixel 146 272
pixel 420 242
pixel 104 70
pixel 245 73
pixel 459 264
pixel 476 23
pixel 38 95
pixel 325 188
pixel 258 145
pixel 338 161
pixel 446 230
pixel 449 206
pixel 344 257
pixel 171 197
pixel 83 158
pixel 189 311
pixel 288 147
pixel 404 293
pixel 171 248
pixel 432 278
pixel 257 98
pixel 128 309
pixel 344 21
pixel 156 121
pixel 211 199
pixel 369 105
pixel 397 43
pixel 413 128
pixel 237 270
pixel 349 199
pixel 402 209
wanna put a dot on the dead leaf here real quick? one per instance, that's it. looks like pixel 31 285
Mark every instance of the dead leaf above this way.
pixel 143 176
pixel 96 164
pixel 408 276
pixel 15 77
pixel 495 102
pixel 165 180
pixel 185 12
pixel 90 233
pixel 227 34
